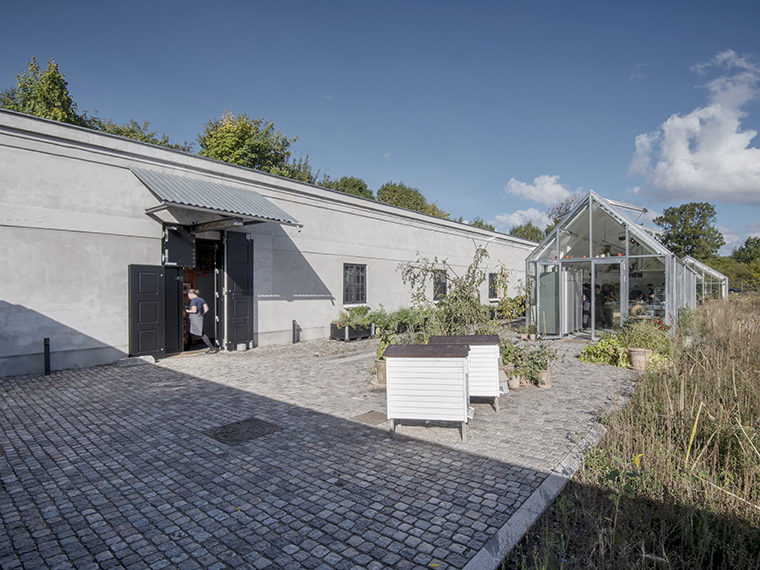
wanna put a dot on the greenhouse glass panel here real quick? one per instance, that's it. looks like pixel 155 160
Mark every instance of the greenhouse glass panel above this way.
pixel 608 234
pixel 635 247
pixel 548 299
pixel 574 236
pixel 646 287
pixel 548 251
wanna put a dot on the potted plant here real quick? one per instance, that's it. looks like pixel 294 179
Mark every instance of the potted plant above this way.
pixel 508 352
pixel 385 325
pixel 537 366
pixel 532 332
pixel 643 337
pixel 523 330
pixel 352 324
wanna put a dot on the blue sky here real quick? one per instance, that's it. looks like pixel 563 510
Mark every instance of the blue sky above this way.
pixel 491 109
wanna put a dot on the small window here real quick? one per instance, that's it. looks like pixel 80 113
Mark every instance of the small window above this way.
pixel 354 284
pixel 492 286
pixel 439 285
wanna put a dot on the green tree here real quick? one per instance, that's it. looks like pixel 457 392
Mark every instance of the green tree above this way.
pixel 689 230
pixel 748 252
pixel 43 94
pixel 528 231
pixel 399 194
pixel 300 170
pixel 743 276
pixel 434 210
pixel 253 143
pixel 479 223
pixel 349 185
pixel 136 131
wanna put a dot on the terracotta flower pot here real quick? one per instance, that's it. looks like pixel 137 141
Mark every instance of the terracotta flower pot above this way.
pixel 639 358
pixel 532 336
pixel 544 379
pixel 514 382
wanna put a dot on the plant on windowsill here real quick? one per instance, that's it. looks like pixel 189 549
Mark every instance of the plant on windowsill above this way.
pixel 352 324
pixel 532 332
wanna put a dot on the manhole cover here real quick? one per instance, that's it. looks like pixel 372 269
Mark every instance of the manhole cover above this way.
pixel 242 431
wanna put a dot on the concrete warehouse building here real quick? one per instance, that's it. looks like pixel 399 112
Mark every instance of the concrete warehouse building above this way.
pixel 102 236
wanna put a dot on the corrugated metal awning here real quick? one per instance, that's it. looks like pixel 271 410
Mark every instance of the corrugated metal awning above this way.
pixel 212 195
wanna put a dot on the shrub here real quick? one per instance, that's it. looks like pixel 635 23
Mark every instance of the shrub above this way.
pixel 608 350
pixel 354 317
pixel 509 351
pixel 646 334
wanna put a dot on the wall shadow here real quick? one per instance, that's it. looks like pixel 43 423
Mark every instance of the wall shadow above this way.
pixel 292 276
pixel 284 274
pixel 120 463
pixel 22 334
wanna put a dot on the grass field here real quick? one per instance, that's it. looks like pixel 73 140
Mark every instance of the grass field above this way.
pixel 675 482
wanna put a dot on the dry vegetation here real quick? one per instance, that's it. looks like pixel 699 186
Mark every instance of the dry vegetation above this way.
pixel 675 483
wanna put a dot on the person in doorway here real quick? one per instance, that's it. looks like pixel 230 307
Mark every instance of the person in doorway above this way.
pixel 197 309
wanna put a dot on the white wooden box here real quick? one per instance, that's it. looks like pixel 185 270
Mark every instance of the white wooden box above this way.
pixel 427 382
pixel 483 361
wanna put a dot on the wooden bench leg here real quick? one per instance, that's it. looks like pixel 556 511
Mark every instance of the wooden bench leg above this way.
pixel 464 432
pixel 496 404
pixel 393 428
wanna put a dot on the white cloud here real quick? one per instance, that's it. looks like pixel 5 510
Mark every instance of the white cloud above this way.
pixel 506 222
pixel 545 190
pixel 734 239
pixel 386 155
pixel 707 153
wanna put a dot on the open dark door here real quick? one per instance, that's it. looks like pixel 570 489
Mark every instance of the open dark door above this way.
pixel 179 247
pixel 239 268
pixel 146 310
pixel 173 310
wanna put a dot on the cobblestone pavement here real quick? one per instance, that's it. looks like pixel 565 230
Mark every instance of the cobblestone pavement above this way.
pixel 116 467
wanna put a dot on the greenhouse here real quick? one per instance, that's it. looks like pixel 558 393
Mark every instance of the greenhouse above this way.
pixel 598 268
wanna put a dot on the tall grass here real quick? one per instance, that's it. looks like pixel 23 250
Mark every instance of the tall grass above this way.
pixel 676 480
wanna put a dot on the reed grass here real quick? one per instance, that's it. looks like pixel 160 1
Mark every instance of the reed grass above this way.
pixel 675 482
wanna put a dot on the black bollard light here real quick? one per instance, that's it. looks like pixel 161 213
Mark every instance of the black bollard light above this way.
pixel 46 344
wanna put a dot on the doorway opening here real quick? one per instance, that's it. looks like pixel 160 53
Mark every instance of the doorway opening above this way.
pixel 205 277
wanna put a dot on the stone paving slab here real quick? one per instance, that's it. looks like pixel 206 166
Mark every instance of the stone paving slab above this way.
pixel 113 466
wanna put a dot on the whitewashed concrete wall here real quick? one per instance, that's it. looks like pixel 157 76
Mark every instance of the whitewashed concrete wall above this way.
pixel 72 218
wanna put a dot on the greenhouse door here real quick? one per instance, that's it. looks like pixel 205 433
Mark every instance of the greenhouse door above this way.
pixel 547 318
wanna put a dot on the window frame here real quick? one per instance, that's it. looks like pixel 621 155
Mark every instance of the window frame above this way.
pixel 492 287
pixel 355 291
pixel 440 286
